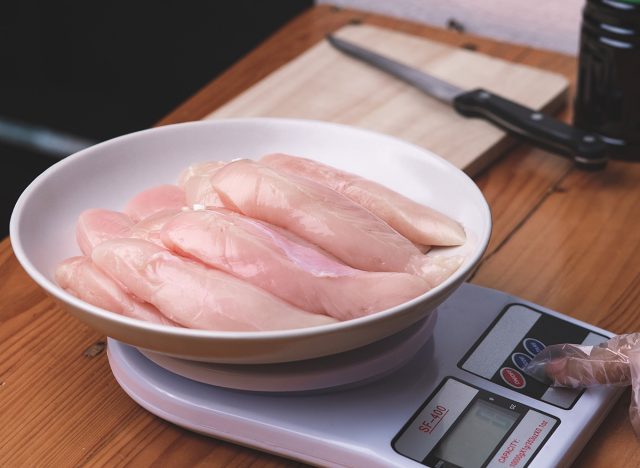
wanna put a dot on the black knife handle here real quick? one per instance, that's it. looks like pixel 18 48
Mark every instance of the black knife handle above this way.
pixel 586 149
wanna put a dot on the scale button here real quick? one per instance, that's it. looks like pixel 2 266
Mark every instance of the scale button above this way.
pixel 513 377
pixel 520 360
pixel 533 346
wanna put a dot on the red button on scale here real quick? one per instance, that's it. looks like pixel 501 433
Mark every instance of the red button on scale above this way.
pixel 512 377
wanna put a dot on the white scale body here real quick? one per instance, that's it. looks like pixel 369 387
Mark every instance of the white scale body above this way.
pixel 458 398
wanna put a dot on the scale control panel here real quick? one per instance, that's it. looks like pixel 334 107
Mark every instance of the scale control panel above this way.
pixel 517 334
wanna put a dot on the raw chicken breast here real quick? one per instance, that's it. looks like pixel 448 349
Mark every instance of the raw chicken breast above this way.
pixel 149 228
pixel 196 296
pixel 97 225
pixel 196 182
pixel 153 200
pixel 316 213
pixel 199 169
pixel 417 222
pixel 434 269
pixel 289 268
pixel 80 277
pixel 199 192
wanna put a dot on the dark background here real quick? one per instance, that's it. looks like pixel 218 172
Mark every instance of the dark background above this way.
pixel 102 69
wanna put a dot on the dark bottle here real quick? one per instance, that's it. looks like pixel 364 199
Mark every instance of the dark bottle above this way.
pixel 608 92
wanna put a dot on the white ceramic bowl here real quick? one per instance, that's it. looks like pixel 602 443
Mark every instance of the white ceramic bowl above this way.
pixel 108 174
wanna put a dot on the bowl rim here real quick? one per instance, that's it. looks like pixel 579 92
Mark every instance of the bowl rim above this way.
pixel 54 290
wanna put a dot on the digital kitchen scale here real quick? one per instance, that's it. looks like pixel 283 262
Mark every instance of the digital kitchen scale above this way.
pixel 444 393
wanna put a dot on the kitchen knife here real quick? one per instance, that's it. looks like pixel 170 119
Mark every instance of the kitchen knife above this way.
pixel 586 149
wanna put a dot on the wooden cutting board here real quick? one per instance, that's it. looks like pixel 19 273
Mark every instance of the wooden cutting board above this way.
pixel 324 84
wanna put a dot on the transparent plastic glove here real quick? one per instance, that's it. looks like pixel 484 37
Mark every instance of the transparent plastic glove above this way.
pixel 614 362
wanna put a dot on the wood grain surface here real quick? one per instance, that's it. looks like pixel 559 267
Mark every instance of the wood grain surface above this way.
pixel 563 238
pixel 325 84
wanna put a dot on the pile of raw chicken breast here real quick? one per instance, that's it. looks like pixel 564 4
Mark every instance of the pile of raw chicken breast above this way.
pixel 281 243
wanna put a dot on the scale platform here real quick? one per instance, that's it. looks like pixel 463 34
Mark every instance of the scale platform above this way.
pixel 447 392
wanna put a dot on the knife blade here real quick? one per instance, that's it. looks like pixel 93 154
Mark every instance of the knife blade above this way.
pixel 587 150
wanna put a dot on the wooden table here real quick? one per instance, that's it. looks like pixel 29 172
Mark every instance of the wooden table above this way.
pixel 563 238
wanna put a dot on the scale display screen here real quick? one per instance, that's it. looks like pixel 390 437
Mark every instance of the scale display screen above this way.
pixel 476 434
pixel 464 426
